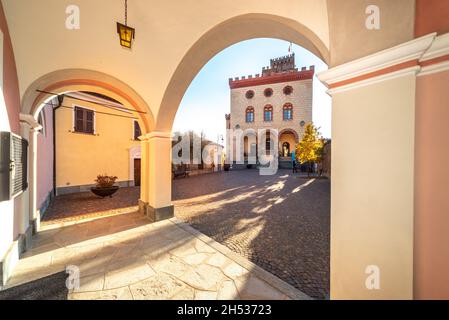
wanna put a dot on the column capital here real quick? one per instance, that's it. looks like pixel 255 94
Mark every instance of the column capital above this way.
pixel 392 62
pixel 436 58
pixel 156 135
pixel 29 120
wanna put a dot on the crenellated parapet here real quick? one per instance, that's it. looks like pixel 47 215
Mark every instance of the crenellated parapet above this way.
pixel 294 74
pixel 281 64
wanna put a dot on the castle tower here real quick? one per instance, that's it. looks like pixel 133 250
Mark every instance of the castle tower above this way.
pixel 279 98
pixel 282 64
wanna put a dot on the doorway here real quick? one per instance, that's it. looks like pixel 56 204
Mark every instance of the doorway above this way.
pixel 286 149
pixel 137 172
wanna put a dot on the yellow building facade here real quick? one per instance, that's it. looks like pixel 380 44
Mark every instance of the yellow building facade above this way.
pixel 109 147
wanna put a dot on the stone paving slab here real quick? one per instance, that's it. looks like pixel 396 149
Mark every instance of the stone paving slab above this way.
pixel 239 267
pixel 164 260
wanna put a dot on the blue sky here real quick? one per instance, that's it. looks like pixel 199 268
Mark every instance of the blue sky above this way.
pixel 207 100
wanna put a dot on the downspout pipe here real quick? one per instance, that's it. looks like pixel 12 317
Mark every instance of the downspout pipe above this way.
pixel 60 100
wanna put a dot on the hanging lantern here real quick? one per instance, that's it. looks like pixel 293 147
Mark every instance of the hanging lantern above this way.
pixel 126 33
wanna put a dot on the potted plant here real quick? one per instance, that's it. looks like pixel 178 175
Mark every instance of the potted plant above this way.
pixel 105 186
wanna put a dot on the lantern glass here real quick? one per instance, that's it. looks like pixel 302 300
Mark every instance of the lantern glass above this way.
pixel 126 35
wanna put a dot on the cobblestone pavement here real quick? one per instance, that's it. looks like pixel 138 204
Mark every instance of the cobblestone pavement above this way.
pixel 280 222
pixel 270 220
pixel 79 206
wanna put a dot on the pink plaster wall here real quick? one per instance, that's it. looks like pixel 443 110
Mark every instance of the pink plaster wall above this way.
pixel 431 254
pixel 10 79
pixel 431 16
pixel 45 158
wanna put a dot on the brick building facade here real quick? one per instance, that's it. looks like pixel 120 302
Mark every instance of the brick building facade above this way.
pixel 279 98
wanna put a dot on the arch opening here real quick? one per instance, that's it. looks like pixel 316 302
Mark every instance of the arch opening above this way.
pixel 222 36
pixel 93 124
pixel 261 197
pixel 59 82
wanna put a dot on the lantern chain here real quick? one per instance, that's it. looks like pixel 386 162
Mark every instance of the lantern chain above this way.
pixel 126 12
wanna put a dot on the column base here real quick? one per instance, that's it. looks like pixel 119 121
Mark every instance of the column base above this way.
pixel 156 214
pixel 22 244
pixel 26 239
pixel 8 263
pixel 36 225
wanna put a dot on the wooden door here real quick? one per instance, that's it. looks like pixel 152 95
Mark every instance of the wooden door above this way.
pixel 137 172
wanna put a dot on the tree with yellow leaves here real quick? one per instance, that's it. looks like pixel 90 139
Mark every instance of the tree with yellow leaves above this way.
pixel 310 148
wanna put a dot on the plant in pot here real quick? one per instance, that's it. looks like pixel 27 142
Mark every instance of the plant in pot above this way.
pixel 105 186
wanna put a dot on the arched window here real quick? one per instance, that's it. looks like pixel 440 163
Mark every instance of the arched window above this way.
pixel 268 144
pixel 288 111
pixel 250 114
pixel 137 131
pixel 268 113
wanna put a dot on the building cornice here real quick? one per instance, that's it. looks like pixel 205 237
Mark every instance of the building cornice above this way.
pixel 434 68
pixel 379 78
pixel 273 78
pixel 436 58
pixel 403 56
pixel 438 48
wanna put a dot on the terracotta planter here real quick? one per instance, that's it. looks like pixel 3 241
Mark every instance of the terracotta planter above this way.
pixel 104 192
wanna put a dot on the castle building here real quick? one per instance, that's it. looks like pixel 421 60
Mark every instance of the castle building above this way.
pixel 279 98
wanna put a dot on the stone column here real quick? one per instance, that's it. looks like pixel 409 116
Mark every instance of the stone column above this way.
pixel 23 220
pixel 30 130
pixel 155 197
pixel 372 183
pixel 143 173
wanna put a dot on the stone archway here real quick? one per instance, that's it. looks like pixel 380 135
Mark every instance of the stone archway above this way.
pixel 46 88
pixel 221 36
pixel 69 80
pixel 287 137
